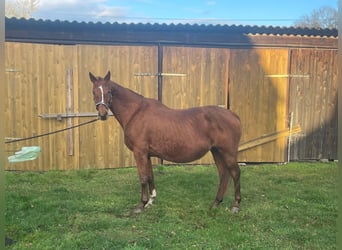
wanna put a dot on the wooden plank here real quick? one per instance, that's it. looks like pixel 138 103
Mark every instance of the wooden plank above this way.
pixel 293 41
pixel 60 116
pixel 313 102
pixel 76 159
pixel 42 75
pixel 269 137
pixel 261 102
pixel 70 110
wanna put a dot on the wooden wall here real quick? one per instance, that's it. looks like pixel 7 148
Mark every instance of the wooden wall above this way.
pixel 35 84
pixel 314 103
pixel 258 93
pixel 259 84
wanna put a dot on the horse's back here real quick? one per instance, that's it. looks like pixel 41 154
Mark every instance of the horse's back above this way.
pixel 208 117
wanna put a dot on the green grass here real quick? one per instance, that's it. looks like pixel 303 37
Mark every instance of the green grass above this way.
pixel 290 206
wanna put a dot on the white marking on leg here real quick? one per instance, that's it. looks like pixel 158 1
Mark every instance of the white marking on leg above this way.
pixel 235 210
pixel 151 199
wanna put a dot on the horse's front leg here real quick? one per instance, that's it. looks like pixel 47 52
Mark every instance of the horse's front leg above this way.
pixel 144 167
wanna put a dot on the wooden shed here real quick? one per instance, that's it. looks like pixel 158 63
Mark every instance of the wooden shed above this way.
pixel 275 78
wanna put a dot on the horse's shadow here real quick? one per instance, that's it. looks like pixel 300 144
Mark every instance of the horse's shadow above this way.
pixel 183 189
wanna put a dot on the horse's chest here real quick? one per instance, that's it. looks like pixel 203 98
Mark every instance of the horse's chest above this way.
pixel 129 142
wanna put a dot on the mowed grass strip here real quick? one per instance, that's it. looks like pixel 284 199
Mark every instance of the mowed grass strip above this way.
pixel 291 206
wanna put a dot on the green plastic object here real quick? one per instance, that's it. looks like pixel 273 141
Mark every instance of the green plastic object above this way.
pixel 25 154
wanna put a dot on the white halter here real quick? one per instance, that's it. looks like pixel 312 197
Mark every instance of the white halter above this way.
pixel 102 99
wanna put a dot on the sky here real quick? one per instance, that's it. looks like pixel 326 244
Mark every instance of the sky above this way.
pixel 250 12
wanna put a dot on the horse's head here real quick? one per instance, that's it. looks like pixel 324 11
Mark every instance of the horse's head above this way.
pixel 102 94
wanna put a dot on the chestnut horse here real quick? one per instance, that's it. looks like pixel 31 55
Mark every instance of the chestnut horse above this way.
pixel 153 130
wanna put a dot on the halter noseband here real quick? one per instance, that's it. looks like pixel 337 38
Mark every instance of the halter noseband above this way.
pixel 102 102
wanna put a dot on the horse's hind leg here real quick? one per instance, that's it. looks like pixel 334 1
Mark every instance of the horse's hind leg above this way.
pixel 223 175
pixel 234 170
pixel 227 166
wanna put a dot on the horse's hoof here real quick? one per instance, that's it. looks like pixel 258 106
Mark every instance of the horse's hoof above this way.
pixel 148 205
pixel 215 204
pixel 138 210
pixel 235 210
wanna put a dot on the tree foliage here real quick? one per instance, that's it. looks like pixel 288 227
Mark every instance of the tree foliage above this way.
pixel 324 17
pixel 20 8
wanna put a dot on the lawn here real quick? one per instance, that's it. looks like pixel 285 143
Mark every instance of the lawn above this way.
pixel 291 206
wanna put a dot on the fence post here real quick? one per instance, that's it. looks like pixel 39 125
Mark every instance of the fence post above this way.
pixel 70 110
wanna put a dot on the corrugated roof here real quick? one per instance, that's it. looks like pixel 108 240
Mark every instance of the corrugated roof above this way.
pixel 242 29
pixel 66 32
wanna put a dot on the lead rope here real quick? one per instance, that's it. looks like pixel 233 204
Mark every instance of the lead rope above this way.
pixel 50 133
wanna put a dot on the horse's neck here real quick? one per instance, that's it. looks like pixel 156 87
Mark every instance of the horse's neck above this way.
pixel 125 104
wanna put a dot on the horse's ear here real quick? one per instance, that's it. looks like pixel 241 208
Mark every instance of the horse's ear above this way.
pixel 107 77
pixel 92 77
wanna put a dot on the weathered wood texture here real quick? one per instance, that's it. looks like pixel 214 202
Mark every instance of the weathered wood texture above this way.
pixel 101 144
pixel 260 99
pixel 314 103
pixel 45 79
pixel 35 83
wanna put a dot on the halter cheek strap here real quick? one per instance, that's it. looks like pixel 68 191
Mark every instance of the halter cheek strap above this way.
pixel 102 102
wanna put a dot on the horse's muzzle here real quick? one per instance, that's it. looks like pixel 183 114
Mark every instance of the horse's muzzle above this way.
pixel 103 112
pixel 103 117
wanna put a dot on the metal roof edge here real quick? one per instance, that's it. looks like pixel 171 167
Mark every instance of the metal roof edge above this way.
pixel 163 27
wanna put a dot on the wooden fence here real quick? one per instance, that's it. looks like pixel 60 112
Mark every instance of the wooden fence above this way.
pixel 260 98
pixel 259 84
pixel 314 103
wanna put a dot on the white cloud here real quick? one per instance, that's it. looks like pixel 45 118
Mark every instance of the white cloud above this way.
pixel 80 10
pixel 110 12
pixel 211 2
pixel 48 5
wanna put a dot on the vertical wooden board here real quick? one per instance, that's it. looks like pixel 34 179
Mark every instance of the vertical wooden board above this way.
pixel 76 163
pixel 313 101
pixel 332 108
pixel 54 79
pixel 70 65
pixel 327 69
pixel 176 61
pixel 204 82
pixel 89 59
pixel 258 94
pixel 297 98
pixel 20 120
pixel 243 75
pixel 11 116
pixel 204 77
pixel 102 143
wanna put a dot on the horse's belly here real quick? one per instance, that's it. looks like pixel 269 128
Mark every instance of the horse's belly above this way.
pixel 180 152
